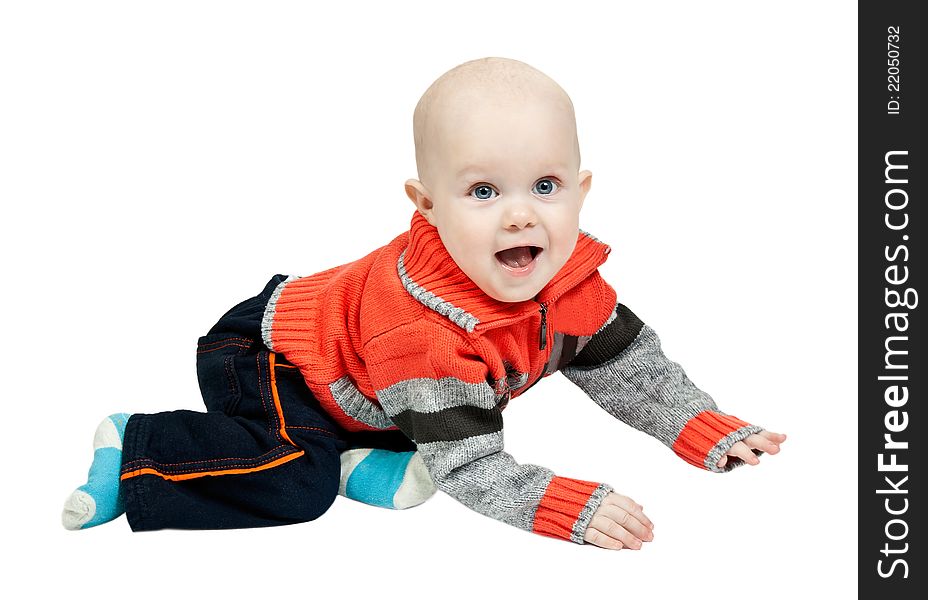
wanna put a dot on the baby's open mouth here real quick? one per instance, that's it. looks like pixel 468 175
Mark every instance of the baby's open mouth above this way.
pixel 518 257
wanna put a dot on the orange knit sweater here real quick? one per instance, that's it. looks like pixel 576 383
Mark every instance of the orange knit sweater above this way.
pixel 402 338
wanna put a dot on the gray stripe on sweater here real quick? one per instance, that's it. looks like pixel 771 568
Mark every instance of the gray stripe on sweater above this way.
pixel 476 472
pixel 357 405
pixel 443 457
pixel 432 395
pixel 267 321
pixel 458 316
pixel 643 388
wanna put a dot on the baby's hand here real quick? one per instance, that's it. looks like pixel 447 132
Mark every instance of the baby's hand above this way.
pixel 766 441
pixel 619 523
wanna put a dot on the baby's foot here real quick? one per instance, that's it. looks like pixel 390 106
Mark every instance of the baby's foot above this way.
pixel 100 499
pixel 384 478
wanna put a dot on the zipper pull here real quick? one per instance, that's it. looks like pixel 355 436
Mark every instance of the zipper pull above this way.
pixel 544 326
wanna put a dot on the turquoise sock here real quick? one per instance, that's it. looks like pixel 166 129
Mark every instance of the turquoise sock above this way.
pixel 100 499
pixel 383 478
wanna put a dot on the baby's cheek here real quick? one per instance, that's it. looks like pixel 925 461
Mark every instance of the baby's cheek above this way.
pixel 473 249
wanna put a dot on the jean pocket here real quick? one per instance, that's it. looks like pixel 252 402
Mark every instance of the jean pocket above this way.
pixel 216 374
pixel 300 408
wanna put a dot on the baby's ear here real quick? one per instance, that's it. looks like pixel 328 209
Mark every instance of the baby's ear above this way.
pixel 420 198
pixel 585 180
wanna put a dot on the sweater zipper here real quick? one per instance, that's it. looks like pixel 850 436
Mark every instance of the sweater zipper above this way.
pixel 544 326
pixel 543 342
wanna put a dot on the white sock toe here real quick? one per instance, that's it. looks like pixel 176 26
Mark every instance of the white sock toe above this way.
pixel 79 508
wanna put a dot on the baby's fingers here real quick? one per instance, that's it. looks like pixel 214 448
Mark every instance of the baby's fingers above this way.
pixel 630 526
pixel 598 538
pixel 776 438
pixel 742 451
pixel 613 535
pixel 618 523
pixel 763 443
pixel 629 505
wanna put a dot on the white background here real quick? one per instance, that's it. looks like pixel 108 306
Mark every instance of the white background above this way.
pixel 160 161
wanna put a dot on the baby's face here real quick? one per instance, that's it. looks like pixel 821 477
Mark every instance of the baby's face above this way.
pixel 504 177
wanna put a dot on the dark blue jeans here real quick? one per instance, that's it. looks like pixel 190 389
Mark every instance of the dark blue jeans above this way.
pixel 264 454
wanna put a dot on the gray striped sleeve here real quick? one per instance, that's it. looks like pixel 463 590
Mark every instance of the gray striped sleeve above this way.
pixel 477 473
pixel 459 433
pixel 643 388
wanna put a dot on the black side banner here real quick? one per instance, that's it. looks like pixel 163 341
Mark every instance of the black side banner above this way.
pixel 892 366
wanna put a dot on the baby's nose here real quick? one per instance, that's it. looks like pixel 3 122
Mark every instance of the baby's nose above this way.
pixel 519 213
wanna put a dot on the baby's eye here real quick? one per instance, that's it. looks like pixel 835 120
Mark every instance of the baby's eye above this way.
pixel 545 187
pixel 483 192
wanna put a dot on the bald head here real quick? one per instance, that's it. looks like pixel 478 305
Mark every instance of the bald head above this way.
pixel 496 84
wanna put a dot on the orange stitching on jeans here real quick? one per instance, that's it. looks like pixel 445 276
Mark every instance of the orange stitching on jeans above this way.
pixel 245 463
pixel 267 411
pixel 229 339
pixel 223 346
pixel 235 471
pixel 211 460
pixel 272 357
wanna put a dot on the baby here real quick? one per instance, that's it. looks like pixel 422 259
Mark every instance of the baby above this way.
pixel 386 377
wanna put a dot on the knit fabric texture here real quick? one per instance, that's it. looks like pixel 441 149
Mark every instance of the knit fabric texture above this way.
pixel 403 339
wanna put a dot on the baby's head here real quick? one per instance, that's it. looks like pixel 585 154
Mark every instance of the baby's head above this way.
pixel 498 162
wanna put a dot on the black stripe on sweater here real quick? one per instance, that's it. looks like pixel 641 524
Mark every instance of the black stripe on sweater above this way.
pixel 611 340
pixel 568 351
pixel 450 424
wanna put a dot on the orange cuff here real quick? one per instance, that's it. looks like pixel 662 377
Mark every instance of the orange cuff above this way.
pixel 701 434
pixel 567 507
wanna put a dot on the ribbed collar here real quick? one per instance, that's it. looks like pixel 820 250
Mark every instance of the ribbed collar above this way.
pixel 431 276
